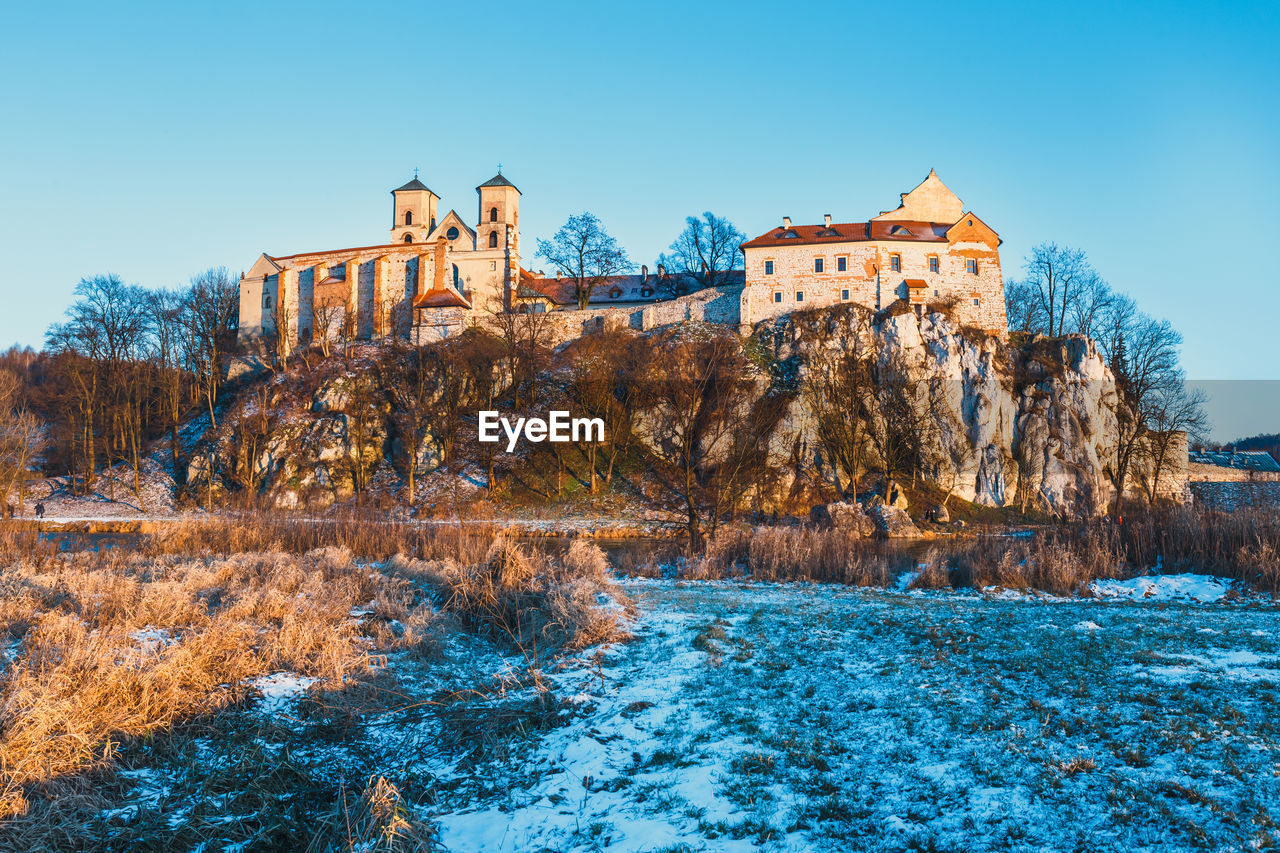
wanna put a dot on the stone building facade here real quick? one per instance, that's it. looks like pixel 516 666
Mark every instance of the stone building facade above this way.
pixel 428 281
pixel 928 251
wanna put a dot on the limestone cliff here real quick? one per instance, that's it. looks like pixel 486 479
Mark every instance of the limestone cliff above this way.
pixel 1040 417
pixel 1033 424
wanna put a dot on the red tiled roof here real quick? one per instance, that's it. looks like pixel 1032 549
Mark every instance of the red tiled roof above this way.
pixel 412 248
pixel 561 290
pixel 447 298
pixel 853 232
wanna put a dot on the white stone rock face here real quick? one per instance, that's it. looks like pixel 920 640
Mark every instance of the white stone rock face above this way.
pixel 1038 420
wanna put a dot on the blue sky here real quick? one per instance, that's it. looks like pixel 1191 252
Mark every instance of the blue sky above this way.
pixel 155 141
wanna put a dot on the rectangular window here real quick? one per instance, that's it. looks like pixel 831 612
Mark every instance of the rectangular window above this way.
pixel 971 266
pixel 768 267
pixel 493 265
pixel 817 264
pixel 777 296
pixel 844 296
pixel 933 265
pixel 895 263
pixel 799 296
pixel 842 264
pixel 977 302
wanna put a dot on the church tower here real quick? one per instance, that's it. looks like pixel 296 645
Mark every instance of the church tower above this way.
pixel 498 224
pixel 413 212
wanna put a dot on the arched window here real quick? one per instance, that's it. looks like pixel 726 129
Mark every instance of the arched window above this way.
pixel 408 217
pixel 493 214
pixel 408 238
pixel 493 239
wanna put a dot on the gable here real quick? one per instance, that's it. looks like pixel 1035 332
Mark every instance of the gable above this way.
pixel 263 267
pixel 971 229
pixel 930 201
pixel 453 220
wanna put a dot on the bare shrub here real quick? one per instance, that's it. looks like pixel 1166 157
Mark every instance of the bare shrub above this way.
pixel 114 645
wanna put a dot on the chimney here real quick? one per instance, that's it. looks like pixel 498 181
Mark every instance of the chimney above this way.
pixel 786 222
pixel 662 271
pixel 644 273
pixel 826 219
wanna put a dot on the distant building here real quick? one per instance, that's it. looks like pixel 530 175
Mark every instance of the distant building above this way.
pixel 1233 466
pixel 928 251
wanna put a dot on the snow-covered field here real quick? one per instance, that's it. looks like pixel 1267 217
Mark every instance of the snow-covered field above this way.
pixel 798 717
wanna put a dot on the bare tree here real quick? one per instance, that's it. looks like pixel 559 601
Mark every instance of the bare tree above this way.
pixel 583 252
pixel 212 308
pixel 1056 277
pixel 1147 375
pixel 837 392
pixel 20 439
pixel 707 249
pixel 167 316
pixel 707 430
pixel 1175 420
pixel 602 373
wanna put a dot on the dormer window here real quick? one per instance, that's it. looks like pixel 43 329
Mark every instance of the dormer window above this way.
pixel 900 231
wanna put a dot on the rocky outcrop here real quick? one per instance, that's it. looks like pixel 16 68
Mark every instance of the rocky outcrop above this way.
pixel 894 523
pixel 1035 423
pixel 843 515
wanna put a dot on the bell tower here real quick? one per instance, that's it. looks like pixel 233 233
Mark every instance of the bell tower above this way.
pixel 498 223
pixel 413 212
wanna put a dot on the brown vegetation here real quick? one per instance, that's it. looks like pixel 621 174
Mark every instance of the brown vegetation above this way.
pixel 110 646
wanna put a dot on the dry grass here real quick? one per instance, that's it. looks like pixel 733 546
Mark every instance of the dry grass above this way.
pixel 1063 559
pixel 111 646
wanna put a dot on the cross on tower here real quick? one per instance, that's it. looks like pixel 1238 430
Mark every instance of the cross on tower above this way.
pixel 415 172
pixel 499 168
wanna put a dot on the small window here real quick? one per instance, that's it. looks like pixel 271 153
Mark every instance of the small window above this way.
pixel 266 300
pixel 646 292
pixel 408 238
pixel 768 267
pixel 493 214
pixel 777 296
pixel 408 217
pixel 933 265
pixel 970 223
pixel 844 296
pixel 817 264
pixel 977 302
pixel 493 239
pixel 799 296
pixel 971 266
pixel 452 233
pixel 895 263
pixel 842 264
